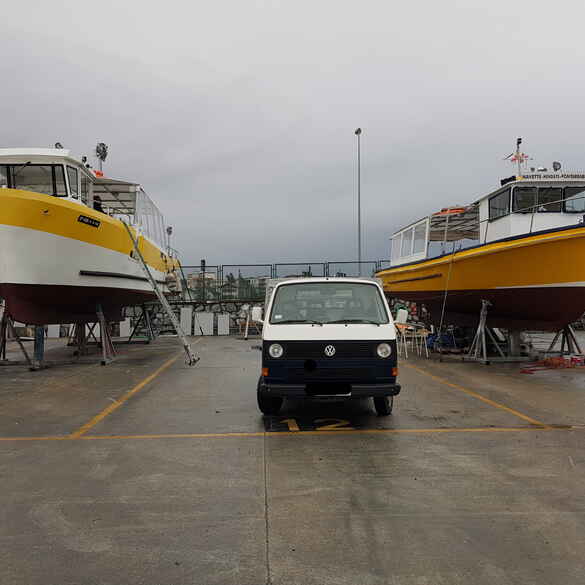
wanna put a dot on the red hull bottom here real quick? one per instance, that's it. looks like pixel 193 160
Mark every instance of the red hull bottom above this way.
pixel 545 308
pixel 51 304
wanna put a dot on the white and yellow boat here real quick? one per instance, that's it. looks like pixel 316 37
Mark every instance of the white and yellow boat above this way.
pixel 521 247
pixel 60 256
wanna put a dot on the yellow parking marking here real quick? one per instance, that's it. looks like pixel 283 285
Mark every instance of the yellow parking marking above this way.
pixel 58 438
pixel 479 396
pixel 297 433
pixel 115 405
pixel 319 433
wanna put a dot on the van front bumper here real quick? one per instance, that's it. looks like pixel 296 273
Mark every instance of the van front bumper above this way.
pixel 354 390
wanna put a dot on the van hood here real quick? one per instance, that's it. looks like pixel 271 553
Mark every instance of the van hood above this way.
pixel 337 331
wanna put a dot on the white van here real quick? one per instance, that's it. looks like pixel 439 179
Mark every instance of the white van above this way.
pixel 328 338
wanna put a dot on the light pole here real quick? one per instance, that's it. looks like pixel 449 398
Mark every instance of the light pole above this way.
pixel 358 133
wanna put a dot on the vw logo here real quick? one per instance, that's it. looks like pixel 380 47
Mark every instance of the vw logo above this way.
pixel 330 351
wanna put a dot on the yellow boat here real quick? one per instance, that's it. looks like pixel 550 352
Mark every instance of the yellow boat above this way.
pixel 520 247
pixel 64 248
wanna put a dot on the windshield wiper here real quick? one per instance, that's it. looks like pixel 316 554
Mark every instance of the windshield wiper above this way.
pixel 355 321
pixel 312 321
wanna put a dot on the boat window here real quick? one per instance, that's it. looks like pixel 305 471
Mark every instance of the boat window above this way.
pixel 406 249
pixel 72 176
pixel 549 199
pixel 574 199
pixel 420 238
pixel 524 200
pixel 84 188
pixel 59 181
pixel 500 204
pixel 3 177
pixel 47 179
pixel 396 246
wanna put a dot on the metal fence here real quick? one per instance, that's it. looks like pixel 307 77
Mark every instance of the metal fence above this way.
pixel 237 282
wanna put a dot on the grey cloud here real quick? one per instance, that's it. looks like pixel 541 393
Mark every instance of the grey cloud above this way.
pixel 238 118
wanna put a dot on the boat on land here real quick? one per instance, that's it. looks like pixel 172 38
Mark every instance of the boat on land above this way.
pixel 520 247
pixel 64 248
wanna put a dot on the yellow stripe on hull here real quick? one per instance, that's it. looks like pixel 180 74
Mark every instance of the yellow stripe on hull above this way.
pixel 535 261
pixel 534 282
pixel 60 217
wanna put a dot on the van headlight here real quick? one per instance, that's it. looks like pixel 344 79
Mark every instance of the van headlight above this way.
pixel 384 350
pixel 275 350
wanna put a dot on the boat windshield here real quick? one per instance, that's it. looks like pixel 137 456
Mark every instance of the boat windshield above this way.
pixel 47 179
pixel 327 303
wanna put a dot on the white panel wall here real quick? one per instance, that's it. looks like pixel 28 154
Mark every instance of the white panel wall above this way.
pixel 125 328
pixel 205 322
pixel 223 324
pixel 53 331
pixel 187 320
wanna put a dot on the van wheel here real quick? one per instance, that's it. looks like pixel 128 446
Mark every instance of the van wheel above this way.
pixel 384 405
pixel 268 404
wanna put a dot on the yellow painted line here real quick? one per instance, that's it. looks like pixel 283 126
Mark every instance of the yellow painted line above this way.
pixel 57 438
pixel 299 433
pixel 314 433
pixel 115 405
pixel 478 396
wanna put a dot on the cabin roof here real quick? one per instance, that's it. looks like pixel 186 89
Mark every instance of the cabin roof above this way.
pixel 36 155
pixel 538 178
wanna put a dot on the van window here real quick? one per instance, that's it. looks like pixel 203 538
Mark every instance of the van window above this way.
pixel 328 302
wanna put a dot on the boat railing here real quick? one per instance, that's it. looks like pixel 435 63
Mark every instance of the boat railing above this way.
pixel 533 210
pixel 481 227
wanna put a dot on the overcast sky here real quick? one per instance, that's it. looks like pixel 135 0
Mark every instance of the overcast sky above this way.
pixel 237 117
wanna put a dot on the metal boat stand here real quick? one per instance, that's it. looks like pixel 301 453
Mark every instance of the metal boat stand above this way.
pixel 568 340
pixel 6 327
pixel 478 350
pixel 108 350
pixel 144 320
pixel 508 348
pixel 80 336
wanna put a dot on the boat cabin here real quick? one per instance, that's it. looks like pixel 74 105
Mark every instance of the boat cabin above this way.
pixel 522 205
pixel 54 172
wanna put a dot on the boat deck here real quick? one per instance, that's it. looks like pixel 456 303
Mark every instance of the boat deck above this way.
pixel 147 471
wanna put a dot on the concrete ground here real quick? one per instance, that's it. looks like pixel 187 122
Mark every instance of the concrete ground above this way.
pixel 149 472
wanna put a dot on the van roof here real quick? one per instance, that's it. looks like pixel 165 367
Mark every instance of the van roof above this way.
pixel 312 279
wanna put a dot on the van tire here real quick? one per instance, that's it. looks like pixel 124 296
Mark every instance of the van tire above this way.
pixel 384 405
pixel 268 405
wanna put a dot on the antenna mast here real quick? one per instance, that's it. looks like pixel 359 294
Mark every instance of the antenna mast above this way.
pixel 518 157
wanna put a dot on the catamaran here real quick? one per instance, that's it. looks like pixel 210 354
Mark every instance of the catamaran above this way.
pixel 519 247
pixel 64 245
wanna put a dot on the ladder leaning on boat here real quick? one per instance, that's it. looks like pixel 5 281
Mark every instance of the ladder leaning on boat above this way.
pixel 190 357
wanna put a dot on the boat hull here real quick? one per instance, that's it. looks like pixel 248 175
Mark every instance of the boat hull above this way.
pixel 38 304
pixel 56 269
pixel 532 282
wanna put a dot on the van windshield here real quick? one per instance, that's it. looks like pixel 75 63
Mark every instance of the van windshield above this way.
pixel 328 302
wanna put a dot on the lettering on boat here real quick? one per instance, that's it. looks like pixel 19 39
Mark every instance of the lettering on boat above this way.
pixel 89 221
